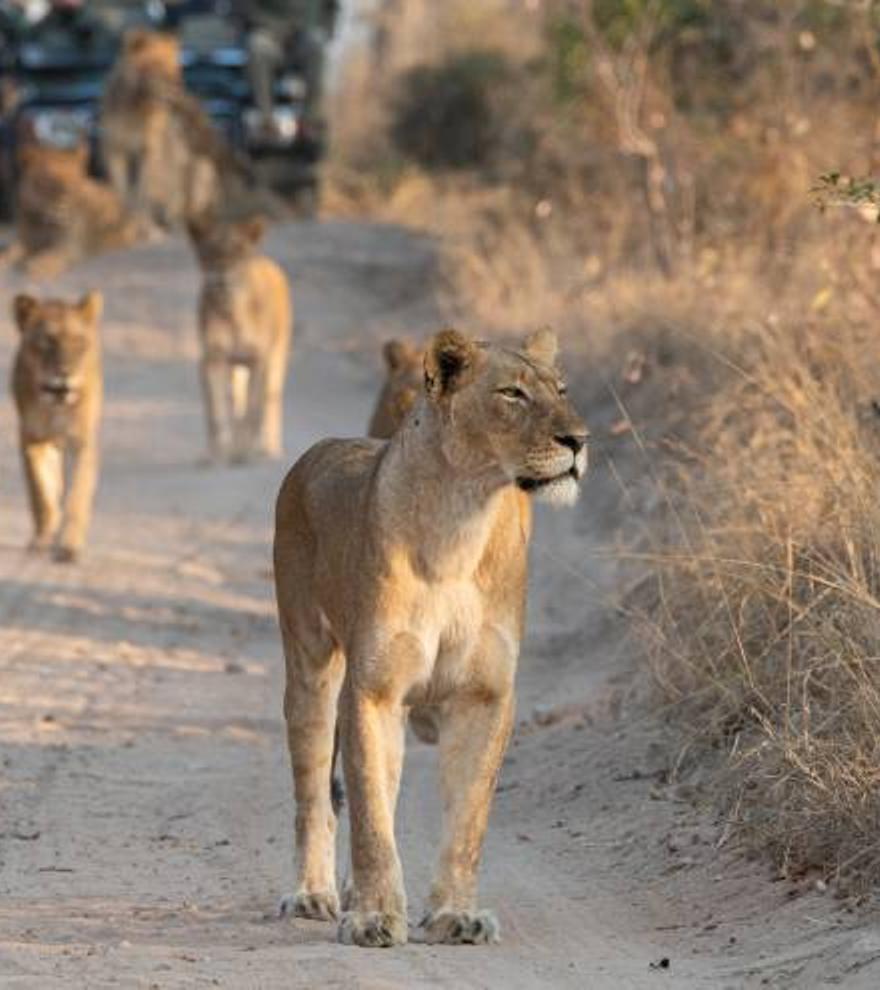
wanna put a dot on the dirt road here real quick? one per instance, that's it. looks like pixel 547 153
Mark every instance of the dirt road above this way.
pixel 145 809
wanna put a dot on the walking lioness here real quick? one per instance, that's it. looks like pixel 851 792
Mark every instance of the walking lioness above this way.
pixel 245 324
pixel 400 573
pixel 58 385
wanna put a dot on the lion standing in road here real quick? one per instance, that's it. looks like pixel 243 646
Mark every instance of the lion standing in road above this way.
pixel 400 572
pixel 63 215
pixel 163 154
pixel 245 326
pixel 58 384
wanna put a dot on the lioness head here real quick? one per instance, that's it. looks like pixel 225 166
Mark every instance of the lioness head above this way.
pixel 403 385
pixel 507 410
pixel 221 245
pixel 151 53
pixel 58 339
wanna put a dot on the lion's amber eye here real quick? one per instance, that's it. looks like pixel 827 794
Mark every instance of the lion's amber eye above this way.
pixel 514 393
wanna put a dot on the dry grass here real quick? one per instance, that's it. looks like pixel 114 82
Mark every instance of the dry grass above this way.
pixel 768 618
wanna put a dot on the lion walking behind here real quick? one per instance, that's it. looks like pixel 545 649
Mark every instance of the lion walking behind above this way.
pixel 245 328
pixel 57 385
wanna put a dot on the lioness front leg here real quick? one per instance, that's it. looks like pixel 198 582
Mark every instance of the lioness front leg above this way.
pixel 43 477
pixel 314 673
pixel 372 751
pixel 78 503
pixel 217 393
pixel 473 736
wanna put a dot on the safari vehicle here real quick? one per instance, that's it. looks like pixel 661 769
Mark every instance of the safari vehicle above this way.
pixel 56 77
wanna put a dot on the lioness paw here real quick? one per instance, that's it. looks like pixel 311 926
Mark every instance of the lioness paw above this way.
pixel 65 555
pixel 372 929
pixel 320 905
pixel 462 927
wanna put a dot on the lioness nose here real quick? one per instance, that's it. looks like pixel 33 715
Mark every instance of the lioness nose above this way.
pixel 574 441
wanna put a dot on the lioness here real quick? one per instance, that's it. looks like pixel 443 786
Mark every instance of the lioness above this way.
pixel 62 214
pixel 58 385
pixel 400 573
pixel 164 157
pixel 245 324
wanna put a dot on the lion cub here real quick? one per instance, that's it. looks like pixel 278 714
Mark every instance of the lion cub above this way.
pixel 245 324
pixel 57 384
pixel 62 214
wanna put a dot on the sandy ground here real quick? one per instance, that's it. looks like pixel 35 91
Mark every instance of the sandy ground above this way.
pixel 145 808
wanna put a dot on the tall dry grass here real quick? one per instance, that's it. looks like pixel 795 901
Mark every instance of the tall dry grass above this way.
pixel 767 623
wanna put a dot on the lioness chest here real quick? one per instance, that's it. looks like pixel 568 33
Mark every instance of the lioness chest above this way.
pixel 245 313
pixel 435 637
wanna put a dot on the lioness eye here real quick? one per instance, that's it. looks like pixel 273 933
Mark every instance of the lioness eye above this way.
pixel 514 393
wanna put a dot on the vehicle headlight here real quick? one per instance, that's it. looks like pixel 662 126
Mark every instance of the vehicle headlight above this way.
pixel 284 125
pixel 59 128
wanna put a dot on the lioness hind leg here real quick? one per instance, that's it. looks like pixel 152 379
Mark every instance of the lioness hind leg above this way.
pixel 314 673
pixel 473 737
pixel 44 478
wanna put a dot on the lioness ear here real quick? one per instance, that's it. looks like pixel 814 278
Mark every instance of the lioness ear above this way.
pixel 448 358
pixel 542 345
pixel 395 353
pixel 91 306
pixel 24 309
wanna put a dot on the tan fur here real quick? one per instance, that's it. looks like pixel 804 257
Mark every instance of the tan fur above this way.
pixel 245 325
pixel 57 385
pixel 400 572
pixel 62 214
pixel 163 155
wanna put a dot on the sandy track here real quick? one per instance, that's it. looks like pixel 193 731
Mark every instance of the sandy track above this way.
pixel 145 812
